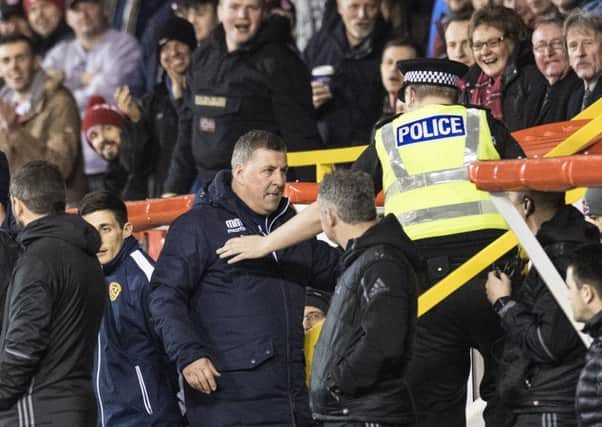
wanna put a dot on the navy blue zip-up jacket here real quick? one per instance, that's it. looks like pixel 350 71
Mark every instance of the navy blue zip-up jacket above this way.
pixel 134 383
pixel 246 318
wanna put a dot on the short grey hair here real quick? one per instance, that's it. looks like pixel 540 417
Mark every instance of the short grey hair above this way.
pixel 583 20
pixel 351 193
pixel 40 186
pixel 252 141
pixel 424 90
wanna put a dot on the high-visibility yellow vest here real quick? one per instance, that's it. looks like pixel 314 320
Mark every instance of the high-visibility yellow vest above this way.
pixel 424 156
pixel 311 339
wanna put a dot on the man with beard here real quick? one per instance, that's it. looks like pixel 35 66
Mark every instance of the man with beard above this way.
pixel 54 305
pixel 95 62
pixel 102 129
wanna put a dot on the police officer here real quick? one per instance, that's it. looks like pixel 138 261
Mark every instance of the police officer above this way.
pixel 419 158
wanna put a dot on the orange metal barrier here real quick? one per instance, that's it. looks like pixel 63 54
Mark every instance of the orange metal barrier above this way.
pixel 157 212
pixel 550 174
pixel 540 140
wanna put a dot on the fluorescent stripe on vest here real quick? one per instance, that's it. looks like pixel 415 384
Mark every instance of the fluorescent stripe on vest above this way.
pixel 424 155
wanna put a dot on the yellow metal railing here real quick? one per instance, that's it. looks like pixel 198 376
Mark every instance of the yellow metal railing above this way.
pixel 324 159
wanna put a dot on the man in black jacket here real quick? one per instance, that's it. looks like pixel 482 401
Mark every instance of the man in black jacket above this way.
pixel 53 308
pixel 584 279
pixel 583 40
pixel 348 107
pixel 543 355
pixel 548 102
pixel 151 129
pixel 365 346
pixel 246 75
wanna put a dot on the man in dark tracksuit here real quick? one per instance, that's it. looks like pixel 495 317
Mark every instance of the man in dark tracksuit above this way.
pixel 235 331
pixel 584 279
pixel 366 341
pixel 240 80
pixel 543 355
pixel 133 380
pixel 53 309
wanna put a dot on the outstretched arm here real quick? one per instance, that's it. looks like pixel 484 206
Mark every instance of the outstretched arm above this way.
pixel 303 226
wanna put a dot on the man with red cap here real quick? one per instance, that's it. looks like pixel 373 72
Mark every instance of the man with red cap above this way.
pixel 47 20
pixel 102 130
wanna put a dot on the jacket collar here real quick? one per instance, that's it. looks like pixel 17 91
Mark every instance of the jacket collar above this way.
pixel 219 193
pixel 129 245
pixel 594 326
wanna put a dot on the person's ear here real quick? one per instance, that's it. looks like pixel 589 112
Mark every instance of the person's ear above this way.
pixel 17 206
pixel 237 172
pixel 410 96
pixel 528 206
pixel 331 217
pixel 128 229
pixel 587 293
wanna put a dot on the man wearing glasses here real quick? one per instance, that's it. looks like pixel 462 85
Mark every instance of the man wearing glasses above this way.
pixel 560 80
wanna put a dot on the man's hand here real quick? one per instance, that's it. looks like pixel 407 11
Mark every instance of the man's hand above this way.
pixel 244 247
pixel 86 78
pixel 178 83
pixel 8 116
pixel 125 103
pixel 320 93
pixel 201 375
pixel 498 285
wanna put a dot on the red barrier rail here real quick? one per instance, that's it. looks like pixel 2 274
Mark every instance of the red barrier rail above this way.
pixel 550 174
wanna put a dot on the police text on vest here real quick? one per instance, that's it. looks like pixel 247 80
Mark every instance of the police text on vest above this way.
pixel 430 128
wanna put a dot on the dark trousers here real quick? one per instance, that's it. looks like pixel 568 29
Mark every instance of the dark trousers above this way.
pixel 547 419
pixel 360 424
pixel 439 368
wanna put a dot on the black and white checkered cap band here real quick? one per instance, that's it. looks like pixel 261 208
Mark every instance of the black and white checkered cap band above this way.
pixel 432 77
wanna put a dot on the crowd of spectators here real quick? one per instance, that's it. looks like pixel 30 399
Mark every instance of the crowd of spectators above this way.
pixel 186 92
pixel 129 100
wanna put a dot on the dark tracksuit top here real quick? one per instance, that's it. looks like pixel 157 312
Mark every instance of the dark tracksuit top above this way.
pixel 133 381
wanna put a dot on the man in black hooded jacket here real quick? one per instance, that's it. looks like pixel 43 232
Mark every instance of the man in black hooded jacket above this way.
pixel 543 355
pixel 54 305
pixel 246 75
pixel 365 345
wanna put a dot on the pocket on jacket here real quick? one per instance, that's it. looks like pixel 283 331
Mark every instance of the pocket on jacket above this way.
pixel 245 356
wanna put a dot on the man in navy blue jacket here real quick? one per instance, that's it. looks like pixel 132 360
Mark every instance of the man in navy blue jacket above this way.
pixel 133 381
pixel 235 330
